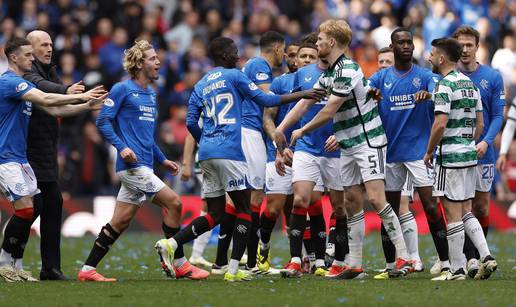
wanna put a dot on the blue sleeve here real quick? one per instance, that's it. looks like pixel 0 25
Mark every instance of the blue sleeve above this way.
pixel 497 107
pixel 259 72
pixel 374 80
pixel 193 115
pixel 16 87
pixel 108 114
pixel 276 86
pixel 251 91
pixel 432 80
pixel 159 156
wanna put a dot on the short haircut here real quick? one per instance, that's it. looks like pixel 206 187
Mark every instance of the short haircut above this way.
pixel 294 43
pixel 467 30
pixel 337 29
pixel 134 55
pixel 398 30
pixel 309 38
pixel 218 47
pixel 385 50
pixel 13 44
pixel 307 45
pixel 450 46
pixel 270 38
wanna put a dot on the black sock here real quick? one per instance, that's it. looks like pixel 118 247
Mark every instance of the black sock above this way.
pixel 107 236
pixel 267 223
pixel 225 235
pixel 307 240
pixel 253 240
pixel 389 250
pixel 16 236
pixel 241 232
pixel 169 233
pixel 341 238
pixel 196 228
pixel 297 229
pixel 437 228
pixel 318 231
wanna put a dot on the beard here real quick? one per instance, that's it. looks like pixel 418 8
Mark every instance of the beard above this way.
pixel 435 69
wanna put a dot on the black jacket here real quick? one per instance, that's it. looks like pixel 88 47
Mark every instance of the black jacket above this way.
pixel 44 128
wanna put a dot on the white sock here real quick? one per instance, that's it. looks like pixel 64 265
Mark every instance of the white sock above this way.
pixel 265 246
pixel 319 263
pixel 391 265
pixel 86 268
pixel 356 233
pixel 392 225
pixel 409 229
pixel 18 263
pixel 5 258
pixel 179 262
pixel 476 234
pixel 233 266
pixel 296 260
pixel 199 244
pixel 455 236
pixel 445 264
pixel 173 242
pixel 338 263
pixel 346 259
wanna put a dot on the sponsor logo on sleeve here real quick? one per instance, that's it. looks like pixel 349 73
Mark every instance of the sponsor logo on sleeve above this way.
pixel 252 86
pixel 21 87
pixel 109 102
pixel 262 76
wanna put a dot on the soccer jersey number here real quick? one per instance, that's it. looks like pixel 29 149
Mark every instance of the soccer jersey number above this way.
pixel 220 118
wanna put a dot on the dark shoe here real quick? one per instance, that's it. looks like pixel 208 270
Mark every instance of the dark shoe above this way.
pixel 53 274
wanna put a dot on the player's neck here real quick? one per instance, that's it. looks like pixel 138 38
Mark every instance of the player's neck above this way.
pixel 469 67
pixel 334 55
pixel 445 70
pixel 142 81
pixel 404 66
pixel 269 58
pixel 16 70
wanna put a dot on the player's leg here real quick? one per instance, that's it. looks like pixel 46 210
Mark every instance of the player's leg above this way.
pixel 227 225
pixel 423 180
pixel 199 244
pixel 18 184
pixel 317 227
pixel 255 154
pixel 409 226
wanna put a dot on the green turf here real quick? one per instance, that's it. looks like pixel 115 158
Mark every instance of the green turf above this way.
pixel 141 283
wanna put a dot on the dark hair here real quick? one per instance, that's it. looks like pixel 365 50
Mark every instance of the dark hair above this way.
pixel 13 44
pixel 218 47
pixel 467 30
pixel 310 38
pixel 307 45
pixel 398 30
pixel 385 50
pixel 450 46
pixel 269 38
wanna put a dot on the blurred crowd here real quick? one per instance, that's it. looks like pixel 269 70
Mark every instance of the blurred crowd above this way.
pixel 90 37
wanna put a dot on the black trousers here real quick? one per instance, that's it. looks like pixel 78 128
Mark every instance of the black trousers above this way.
pixel 49 206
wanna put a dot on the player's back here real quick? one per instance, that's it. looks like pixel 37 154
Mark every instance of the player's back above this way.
pixel 313 142
pixel 221 104
pixel 407 124
pixel 259 71
pixel 457 147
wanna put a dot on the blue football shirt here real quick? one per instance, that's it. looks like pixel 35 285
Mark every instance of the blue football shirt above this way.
pixel 257 70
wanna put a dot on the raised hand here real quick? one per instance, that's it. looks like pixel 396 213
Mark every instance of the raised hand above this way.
pixel 95 93
pixel 422 95
pixel 375 93
pixel 315 93
pixel 76 88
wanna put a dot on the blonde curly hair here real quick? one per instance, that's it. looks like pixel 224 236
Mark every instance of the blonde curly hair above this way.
pixel 134 55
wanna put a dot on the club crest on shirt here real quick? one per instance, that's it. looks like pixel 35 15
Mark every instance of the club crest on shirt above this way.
pixel 109 102
pixel 484 84
pixel 22 86
pixel 416 82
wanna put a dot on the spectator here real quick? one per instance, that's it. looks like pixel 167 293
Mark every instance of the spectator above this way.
pixel 504 60
pixel 382 35
pixel 183 33
pixel 112 53
pixel 437 24
pixel 103 35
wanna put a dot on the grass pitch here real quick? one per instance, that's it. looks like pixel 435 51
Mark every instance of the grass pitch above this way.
pixel 141 283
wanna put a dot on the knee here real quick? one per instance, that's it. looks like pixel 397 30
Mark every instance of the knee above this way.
pixel 340 212
pixel 217 214
pixel 300 201
pixel 120 224
pixel 480 210
pixel 273 212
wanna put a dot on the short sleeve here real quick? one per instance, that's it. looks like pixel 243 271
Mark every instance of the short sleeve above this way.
pixel 259 72
pixel 276 86
pixel 247 87
pixel 442 99
pixel 346 79
pixel 431 81
pixel 15 87
pixel 374 80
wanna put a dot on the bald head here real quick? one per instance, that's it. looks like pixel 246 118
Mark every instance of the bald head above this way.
pixel 42 45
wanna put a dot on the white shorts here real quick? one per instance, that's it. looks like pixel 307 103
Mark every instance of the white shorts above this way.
pixel 485 175
pixel 199 178
pixel 138 185
pixel 408 188
pixel 319 186
pixel 456 184
pixel 307 167
pixel 255 154
pixel 17 180
pixel 396 175
pixel 221 175
pixel 362 164
pixel 276 184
